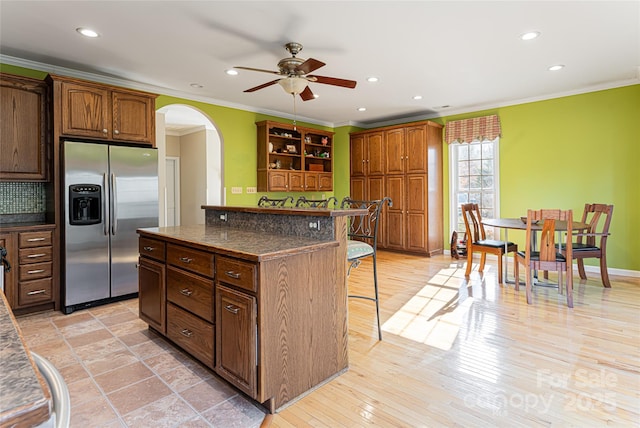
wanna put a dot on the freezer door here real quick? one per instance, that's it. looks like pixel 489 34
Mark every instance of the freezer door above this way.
pixel 86 249
pixel 134 189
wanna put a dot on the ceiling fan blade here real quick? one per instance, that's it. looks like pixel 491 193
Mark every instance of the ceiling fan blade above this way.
pixel 307 95
pixel 310 65
pixel 335 81
pixel 257 69
pixel 264 85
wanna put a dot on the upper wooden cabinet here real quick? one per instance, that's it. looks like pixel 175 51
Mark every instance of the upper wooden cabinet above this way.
pixel 367 154
pixel 24 129
pixel 294 159
pixel 91 110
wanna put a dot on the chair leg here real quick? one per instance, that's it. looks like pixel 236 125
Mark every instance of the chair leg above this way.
pixel 499 268
pixel 603 272
pixel 581 271
pixel 483 260
pixel 569 286
pixel 529 280
pixel 469 263
pixel 375 286
pixel 516 271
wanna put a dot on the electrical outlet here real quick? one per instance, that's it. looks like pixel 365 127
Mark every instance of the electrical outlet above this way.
pixel 223 217
pixel 236 190
pixel 314 225
pixel 252 190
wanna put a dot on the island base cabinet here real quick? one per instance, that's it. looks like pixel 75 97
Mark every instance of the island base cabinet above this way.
pixel 236 339
pixel 191 333
pixel 151 293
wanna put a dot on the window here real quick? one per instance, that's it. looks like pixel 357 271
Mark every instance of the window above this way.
pixel 473 170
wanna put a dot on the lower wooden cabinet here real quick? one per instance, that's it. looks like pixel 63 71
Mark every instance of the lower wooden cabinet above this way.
pixel 191 333
pixel 237 338
pixel 151 293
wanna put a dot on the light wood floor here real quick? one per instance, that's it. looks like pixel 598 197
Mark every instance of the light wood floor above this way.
pixel 473 353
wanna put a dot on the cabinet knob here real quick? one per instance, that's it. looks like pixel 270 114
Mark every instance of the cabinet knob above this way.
pixel 104 131
pixel 116 132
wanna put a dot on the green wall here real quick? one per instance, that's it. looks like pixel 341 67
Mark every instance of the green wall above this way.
pixel 557 153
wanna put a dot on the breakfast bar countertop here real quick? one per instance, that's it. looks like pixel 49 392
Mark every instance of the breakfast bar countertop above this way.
pixel 251 245
pixel 25 399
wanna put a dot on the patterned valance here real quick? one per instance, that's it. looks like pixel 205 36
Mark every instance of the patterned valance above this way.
pixel 478 128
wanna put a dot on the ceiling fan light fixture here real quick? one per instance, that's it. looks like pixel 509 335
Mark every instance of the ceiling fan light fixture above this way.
pixel 293 85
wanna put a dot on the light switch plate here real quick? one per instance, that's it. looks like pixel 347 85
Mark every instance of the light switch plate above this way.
pixel 236 190
pixel 252 190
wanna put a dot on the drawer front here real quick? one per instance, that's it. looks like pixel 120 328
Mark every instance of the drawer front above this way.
pixel 190 259
pixel 191 292
pixel 41 238
pixel 152 248
pixel 191 333
pixel 35 255
pixel 32 292
pixel 35 271
pixel 237 272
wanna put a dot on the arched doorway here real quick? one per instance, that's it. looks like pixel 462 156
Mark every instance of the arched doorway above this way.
pixel 189 164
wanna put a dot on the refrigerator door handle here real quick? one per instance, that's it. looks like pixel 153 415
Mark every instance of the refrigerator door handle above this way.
pixel 105 214
pixel 114 205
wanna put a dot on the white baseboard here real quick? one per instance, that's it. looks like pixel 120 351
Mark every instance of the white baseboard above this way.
pixel 587 268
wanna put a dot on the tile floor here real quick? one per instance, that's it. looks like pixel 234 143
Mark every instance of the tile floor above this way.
pixel 121 374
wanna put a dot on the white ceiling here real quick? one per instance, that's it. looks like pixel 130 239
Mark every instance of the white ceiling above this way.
pixel 465 55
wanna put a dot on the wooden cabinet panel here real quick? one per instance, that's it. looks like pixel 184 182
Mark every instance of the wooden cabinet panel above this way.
pixel 133 117
pixel 311 181
pixel 85 110
pixel 236 341
pixel 191 333
pixel 416 217
pixel 24 134
pixel 278 181
pixel 296 182
pixel 35 255
pixel 152 248
pixel 357 156
pixel 35 239
pixel 395 219
pixel 375 150
pixel 395 151
pixel 191 292
pixel 237 272
pixel 358 188
pixel 416 153
pixel 151 293
pixel 190 259
pixel 325 181
pixel 35 292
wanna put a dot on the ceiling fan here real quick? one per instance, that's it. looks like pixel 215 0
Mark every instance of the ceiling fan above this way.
pixel 295 74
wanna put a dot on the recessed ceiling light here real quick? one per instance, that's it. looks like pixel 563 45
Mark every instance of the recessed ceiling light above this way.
pixel 87 32
pixel 196 85
pixel 362 109
pixel 530 35
pixel 231 72
pixel 556 67
pixel 417 97
pixel 372 79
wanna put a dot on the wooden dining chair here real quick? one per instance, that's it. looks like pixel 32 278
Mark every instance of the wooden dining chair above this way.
pixel 477 241
pixel 267 202
pixel 543 254
pixel 363 241
pixel 592 243
pixel 327 203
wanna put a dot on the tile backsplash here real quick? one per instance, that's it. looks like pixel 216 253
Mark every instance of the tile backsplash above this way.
pixel 22 198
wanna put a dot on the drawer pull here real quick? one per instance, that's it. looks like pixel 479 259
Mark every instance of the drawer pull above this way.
pixel 35 256
pixel 186 259
pixel 148 248
pixel 233 309
pixel 186 292
pixel 186 333
pixel 35 239
pixel 232 274
pixel 33 293
pixel 35 271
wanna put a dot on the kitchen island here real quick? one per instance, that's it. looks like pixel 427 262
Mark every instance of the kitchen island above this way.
pixel 256 294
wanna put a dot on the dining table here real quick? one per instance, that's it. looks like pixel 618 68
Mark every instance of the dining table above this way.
pixel 521 224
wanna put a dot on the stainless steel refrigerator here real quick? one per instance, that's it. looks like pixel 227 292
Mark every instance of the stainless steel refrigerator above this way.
pixel 110 192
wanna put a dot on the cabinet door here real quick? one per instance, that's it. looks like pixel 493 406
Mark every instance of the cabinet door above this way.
pixel 358 188
pixel 416 213
pixel 151 293
pixel 375 191
pixel 9 242
pixel 394 147
pixel 24 130
pixel 278 181
pixel 133 117
pixel 296 182
pixel 375 153
pixel 311 182
pixel 85 111
pixel 236 338
pixel 357 158
pixel 325 181
pixel 416 144
pixel 395 238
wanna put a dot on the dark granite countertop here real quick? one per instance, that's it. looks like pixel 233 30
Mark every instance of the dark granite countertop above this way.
pixel 25 399
pixel 314 212
pixel 26 225
pixel 245 244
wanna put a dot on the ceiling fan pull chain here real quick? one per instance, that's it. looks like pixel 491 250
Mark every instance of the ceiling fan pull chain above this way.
pixel 295 115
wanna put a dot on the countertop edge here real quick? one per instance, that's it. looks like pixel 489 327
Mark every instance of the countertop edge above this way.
pixel 314 212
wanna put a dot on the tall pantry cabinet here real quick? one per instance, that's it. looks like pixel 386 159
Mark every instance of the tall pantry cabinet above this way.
pixel 403 162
